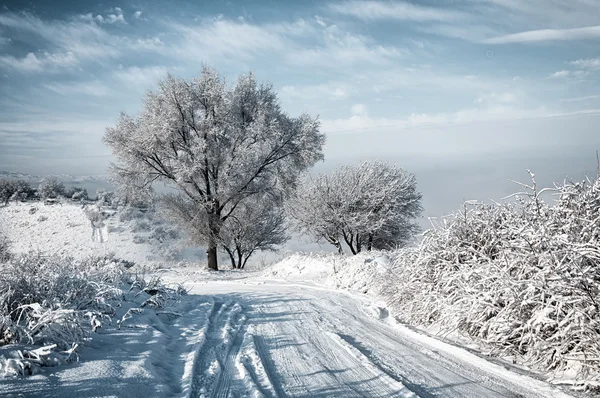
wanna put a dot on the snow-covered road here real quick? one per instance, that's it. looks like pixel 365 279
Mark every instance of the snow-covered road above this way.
pixel 255 337
pixel 304 341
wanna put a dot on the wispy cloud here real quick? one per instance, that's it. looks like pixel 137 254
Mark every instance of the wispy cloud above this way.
pixel 333 91
pixel 49 62
pixel 225 38
pixel 338 47
pixel 82 39
pixel 115 15
pixel 560 74
pixel 591 63
pixel 93 88
pixel 141 77
pixel 579 99
pixel 591 32
pixel 363 122
pixel 377 10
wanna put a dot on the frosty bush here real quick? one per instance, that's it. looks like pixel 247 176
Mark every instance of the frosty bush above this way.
pixel 51 187
pixel 14 190
pixel 522 277
pixel 76 193
pixel 54 302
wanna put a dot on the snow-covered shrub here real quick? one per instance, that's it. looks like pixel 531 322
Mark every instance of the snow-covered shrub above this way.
pixel 76 193
pixel 14 190
pixel 522 277
pixel 51 187
pixel 129 213
pixel 53 300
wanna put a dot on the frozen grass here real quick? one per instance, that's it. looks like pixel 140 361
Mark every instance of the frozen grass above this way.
pixel 51 300
pixel 50 305
pixel 521 277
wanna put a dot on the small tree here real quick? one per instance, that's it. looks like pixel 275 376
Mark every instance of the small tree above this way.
pixel 76 193
pixel 370 206
pixel 218 146
pixel 258 225
pixel 51 187
pixel 7 190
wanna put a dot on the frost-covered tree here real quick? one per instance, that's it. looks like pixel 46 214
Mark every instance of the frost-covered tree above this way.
pixel 76 193
pixel 258 225
pixel 371 206
pixel 6 190
pixel 217 146
pixel 51 187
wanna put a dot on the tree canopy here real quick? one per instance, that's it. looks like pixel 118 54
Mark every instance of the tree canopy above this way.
pixel 217 146
pixel 371 205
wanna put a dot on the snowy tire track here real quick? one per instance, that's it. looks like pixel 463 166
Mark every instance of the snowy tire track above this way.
pixel 214 358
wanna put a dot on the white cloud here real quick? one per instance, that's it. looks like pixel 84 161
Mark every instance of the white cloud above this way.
pixel 337 47
pixel 375 10
pixel 144 77
pixel 590 32
pixel 497 98
pixel 115 16
pixel 48 62
pixel 561 73
pixel 364 123
pixel 83 39
pixel 222 37
pixel 137 14
pixel 578 99
pixel 359 109
pixel 592 63
pixel 332 90
pixel 93 88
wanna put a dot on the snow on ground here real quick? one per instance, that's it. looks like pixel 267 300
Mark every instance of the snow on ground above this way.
pixel 287 331
pixel 65 229
pixel 255 336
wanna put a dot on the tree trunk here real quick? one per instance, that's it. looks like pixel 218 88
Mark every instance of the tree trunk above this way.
pixel 336 243
pixel 350 241
pixel 370 244
pixel 231 257
pixel 240 260
pixel 358 244
pixel 211 254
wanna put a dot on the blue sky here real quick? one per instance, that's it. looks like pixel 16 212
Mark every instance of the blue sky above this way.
pixel 453 79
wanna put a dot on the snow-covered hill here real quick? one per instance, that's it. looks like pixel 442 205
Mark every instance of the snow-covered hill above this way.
pixel 65 229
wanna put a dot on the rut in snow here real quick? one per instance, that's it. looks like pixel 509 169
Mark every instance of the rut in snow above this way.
pixel 214 368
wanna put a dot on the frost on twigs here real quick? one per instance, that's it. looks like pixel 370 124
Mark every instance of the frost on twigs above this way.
pixel 371 206
pixel 522 277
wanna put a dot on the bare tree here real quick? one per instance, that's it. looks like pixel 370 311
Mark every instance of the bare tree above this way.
pixel 370 206
pixel 258 225
pixel 217 146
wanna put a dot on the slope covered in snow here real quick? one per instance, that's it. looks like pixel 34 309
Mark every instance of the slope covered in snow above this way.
pixel 66 230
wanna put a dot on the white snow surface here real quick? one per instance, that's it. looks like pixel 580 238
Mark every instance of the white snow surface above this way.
pixel 64 229
pixel 244 334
